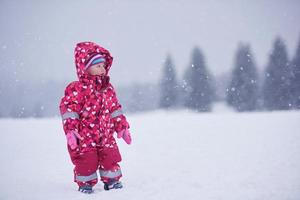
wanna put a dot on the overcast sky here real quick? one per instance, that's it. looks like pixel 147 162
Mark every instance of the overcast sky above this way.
pixel 39 37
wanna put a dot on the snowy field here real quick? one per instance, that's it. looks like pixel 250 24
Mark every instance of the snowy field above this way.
pixel 174 155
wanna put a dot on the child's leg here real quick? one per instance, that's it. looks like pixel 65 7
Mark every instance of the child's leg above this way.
pixel 109 156
pixel 86 164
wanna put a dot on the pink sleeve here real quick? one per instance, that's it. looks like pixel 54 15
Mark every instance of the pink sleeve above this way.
pixel 70 107
pixel 115 109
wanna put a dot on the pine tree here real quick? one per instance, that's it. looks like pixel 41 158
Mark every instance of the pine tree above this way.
pixel 296 78
pixel 277 83
pixel 198 84
pixel 242 92
pixel 168 85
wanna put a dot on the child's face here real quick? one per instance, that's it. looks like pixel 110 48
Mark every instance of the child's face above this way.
pixel 98 69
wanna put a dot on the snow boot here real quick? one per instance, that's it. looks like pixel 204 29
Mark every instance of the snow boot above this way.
pixel 113 185
pixel 88 189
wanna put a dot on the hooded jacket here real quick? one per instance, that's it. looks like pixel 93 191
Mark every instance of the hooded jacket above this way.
pixel 90 105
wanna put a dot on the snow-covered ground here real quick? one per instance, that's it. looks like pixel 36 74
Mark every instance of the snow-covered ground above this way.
pixel 174 155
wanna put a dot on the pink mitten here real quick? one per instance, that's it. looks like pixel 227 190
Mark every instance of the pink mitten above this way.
pixel 125 134
pixel 72 139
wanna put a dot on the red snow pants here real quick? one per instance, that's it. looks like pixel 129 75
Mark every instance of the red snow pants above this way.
pixel 104 158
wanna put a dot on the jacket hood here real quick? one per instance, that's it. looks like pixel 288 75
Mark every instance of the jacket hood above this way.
pixel 83 51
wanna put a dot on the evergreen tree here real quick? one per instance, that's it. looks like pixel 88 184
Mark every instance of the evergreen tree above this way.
pixel 296 78
pixel 276 87
pixel 198 84
pixel 242 92
pixel 168 85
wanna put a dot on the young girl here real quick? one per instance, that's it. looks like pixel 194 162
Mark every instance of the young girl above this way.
pixel 91 114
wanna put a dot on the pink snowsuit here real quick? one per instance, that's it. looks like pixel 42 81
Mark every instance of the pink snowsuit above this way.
pixel 90 108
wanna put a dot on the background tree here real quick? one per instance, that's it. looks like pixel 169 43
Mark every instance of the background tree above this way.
pixel 199 90
pixel 296 78
pixel 168 85
pixel 277 79
pixel 242 92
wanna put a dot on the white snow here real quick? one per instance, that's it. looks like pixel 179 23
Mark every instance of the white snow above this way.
pixel 174 155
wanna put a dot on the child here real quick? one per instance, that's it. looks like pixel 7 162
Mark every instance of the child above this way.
pixel 91 114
